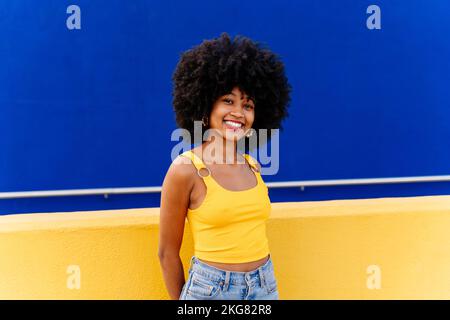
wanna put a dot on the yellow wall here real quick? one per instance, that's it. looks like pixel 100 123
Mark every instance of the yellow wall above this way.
pixel 390 248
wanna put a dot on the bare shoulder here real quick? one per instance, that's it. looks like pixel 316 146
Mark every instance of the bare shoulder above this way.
pixel 181 172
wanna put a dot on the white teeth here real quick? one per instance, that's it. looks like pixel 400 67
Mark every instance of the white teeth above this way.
pixel 233 124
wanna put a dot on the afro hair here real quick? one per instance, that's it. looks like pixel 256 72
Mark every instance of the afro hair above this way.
pixel 213 68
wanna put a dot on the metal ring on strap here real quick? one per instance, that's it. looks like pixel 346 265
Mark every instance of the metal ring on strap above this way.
pixel 198 172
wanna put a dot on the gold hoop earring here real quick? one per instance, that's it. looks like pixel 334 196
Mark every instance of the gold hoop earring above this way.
pixel 205 122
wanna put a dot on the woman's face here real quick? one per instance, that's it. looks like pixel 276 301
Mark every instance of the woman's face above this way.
pixel 232 115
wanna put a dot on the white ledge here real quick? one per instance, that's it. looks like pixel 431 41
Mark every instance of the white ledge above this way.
pixel 286 184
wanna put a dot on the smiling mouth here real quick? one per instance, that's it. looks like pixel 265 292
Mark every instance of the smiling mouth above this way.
pixel 233 129
pixel 235 126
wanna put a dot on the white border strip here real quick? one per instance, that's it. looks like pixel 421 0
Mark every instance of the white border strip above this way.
pixel 286 184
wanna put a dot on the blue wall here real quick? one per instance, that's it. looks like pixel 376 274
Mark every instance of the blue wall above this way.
pixel 91 108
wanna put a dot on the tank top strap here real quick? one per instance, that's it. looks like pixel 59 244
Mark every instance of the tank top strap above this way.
pixel 198 163
pixel 252 162
pixel 256 170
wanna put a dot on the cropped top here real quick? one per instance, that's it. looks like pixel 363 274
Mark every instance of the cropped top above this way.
pixel 230 226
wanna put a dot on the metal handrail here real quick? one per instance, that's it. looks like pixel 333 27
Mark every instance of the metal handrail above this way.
pixel 285 184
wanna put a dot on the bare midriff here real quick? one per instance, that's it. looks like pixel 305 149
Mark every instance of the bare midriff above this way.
pixel 239 267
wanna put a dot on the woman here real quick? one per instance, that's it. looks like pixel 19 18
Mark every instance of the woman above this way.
pixel 235 87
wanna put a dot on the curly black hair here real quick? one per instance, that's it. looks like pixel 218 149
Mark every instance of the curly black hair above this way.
pixel 213 68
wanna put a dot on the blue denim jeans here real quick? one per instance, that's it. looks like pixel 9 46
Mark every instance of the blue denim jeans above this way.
pixel 206 282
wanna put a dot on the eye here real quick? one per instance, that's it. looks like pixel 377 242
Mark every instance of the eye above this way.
pixel 227 101
pixel 249 106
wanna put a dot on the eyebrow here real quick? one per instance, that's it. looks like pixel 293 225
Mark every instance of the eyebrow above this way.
pixel 248 97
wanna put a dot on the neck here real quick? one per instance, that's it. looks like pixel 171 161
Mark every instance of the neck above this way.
pixel 218 150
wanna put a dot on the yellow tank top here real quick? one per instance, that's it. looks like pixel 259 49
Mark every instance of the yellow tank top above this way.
pixel 230 226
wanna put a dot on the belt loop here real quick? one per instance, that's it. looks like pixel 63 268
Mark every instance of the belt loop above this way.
pixel 191 265
pixel 262 280
pixel 227 280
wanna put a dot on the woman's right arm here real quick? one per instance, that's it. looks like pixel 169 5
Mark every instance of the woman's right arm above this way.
pixel 175 194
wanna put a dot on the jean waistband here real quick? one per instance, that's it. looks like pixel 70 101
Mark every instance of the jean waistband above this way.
pixel 234 277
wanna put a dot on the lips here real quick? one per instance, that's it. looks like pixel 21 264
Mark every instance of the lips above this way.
pixel 232 125
pixel 236 121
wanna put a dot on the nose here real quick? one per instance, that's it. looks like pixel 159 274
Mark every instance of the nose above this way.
pixel 238 111
pixel 237 116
